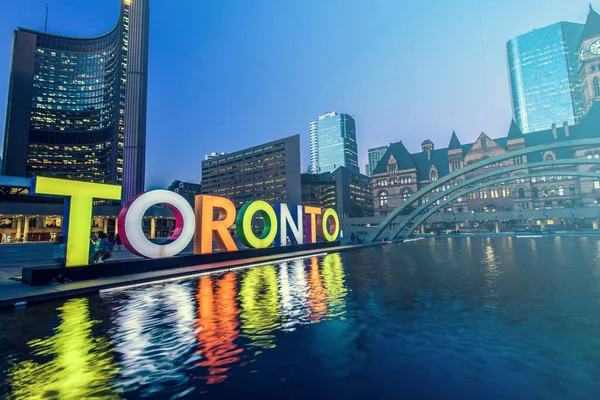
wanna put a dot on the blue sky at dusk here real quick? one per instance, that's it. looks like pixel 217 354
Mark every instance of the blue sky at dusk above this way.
pixel 229 74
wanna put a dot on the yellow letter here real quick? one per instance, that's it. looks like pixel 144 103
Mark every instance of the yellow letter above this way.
pixel 206 226
pixel 78 211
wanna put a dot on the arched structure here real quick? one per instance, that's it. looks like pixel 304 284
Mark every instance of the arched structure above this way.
pixel 430 212
pixel 492 174
pixel 487 162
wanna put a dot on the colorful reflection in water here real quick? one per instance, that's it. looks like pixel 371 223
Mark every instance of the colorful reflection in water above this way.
pixel 164 338
pixel 71 364
pixel 217 326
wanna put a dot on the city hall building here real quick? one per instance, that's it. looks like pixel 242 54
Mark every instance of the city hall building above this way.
pixel 77 106
pixel 400 173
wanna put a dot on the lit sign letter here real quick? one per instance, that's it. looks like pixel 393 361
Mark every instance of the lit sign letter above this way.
pixel 310 224
pixel 290 225
pixel 243 224
pixel 132 215
pixel 207 226
pixel 329 225
pixel 78 211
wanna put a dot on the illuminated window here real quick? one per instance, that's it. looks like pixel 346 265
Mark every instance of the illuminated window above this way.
pixel 383 199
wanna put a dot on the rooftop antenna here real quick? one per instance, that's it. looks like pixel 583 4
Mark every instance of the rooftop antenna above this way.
pixel 46 23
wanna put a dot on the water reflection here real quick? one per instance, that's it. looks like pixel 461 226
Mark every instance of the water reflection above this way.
pixel 294 295
pixel 333 276
pixel 259 304
pixel 160 340
pixel 153 334
pixel 218 325
pixel 71 364
pixel 316 292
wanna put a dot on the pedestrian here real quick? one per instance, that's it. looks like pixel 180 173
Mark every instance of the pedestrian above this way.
pixel 105 252
pixel 97 246
pixel 118 242
pixel 111 240
pixel 60 258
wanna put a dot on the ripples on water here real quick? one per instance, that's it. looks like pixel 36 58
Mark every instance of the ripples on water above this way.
pixel 468 317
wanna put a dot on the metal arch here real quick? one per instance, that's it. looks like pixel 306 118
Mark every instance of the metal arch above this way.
pixel 479 164
pixel 491 174
pixel 491 183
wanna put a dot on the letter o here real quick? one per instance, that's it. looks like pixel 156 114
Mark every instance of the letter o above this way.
pixel 243 224
pixel 132 214
pixel 328 225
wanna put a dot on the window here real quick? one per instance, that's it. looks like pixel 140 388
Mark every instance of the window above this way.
pixel 392 168
pixel 405 194
pixel 561 190
pixel 596 184
pixel 552 190
pixel 521 193
pixel 572 190
pixel 455 165
pixel 548 157
pixel 518 160
pixel 534 193
pixel 494 193
pixel 483 195
pixel 433 176
pixel 505 192
pixel 545 191
pixel 483 144
pixel 383 199
pixel 547 204
pixel 596 83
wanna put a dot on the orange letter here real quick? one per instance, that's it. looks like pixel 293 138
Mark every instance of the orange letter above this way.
pixel 206 227
pixel 310 224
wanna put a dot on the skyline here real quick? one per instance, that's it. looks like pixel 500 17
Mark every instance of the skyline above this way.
pixel 261 88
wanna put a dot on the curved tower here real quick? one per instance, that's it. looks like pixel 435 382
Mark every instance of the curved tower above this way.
pixel 77 106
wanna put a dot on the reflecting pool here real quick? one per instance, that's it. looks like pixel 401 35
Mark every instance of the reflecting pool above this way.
pixel 439 318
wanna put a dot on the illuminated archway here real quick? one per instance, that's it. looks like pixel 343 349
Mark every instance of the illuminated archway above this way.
pixel 435 208
pixel 480 164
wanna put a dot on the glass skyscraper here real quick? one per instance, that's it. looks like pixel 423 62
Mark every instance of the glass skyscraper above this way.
pixel 333 143
pixel 543 74
pixel 374 155
pixel 77 106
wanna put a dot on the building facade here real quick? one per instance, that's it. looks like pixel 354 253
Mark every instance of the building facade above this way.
pixel 374 155
pixel 77 106
pixel 187 190
pixel 543 77
pixel 400 174
pixel 589 59
pixel 333 143
pixel 346 191
pixel 269 172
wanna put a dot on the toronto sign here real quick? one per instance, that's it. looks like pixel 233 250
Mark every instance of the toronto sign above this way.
pixel 212 219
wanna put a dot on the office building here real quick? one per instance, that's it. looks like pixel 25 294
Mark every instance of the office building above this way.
pixel 187 190
pixel 269 172
pixel 589 59
pixel 346 191
pixel 543 77
pixel 374 155
pixel 77 106
pixel 333 143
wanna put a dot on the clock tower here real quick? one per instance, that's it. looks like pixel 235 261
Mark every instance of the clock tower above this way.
pixel 589 59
